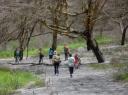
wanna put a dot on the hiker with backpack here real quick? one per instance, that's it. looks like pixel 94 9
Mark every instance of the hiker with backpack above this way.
pixel 56 62
pixel 51 53
pixel 71 65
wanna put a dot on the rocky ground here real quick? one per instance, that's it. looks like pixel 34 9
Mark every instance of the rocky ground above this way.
pixel 85 81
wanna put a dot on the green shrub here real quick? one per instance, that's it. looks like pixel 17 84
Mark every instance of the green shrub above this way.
pixel 11 80
pixel 5 54
pixel 119 65
pixel 121 76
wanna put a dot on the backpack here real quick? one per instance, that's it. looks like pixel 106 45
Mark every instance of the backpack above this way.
pixel 17 53
pixel 71 62
pixel 51 52
pixel 56 58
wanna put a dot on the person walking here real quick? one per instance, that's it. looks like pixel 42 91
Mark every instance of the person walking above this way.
pixel 77 60
pixel 66 52
pixel 71 65
pixel 21 54
pixel 17 55
pixel 56 62
pixel 50 53
pixel 41 56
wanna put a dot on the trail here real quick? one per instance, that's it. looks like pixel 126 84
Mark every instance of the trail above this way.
pixel 85 81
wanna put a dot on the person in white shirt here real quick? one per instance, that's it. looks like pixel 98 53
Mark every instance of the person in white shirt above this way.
pixel 71 64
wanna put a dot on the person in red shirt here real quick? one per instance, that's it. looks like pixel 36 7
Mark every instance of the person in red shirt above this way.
pixel 77 60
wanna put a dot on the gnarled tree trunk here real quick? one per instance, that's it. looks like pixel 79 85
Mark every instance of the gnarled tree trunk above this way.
pixel 88 33
pixel 54 41
pixel 93 45
pixel 124 35
pixel 57 16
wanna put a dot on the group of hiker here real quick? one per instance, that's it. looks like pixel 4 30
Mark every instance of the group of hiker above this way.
pixel 54 58
pixel 72 61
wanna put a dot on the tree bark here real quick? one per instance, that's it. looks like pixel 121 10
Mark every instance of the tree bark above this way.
pixel 93 45
pixel 54 41
pixel 124 35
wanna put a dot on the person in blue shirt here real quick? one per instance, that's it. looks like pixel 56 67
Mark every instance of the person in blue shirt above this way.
pixel 51 53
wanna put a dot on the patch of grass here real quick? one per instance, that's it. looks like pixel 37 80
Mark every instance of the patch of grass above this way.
pixel 39 83
pixel 121 73
pixel 121 76
pixel 72 46
pixel 118 65
pixel 103 39
pixel 31 52
pixel 99 66
pixel 76 45
pixel 5 54
pixel 11 80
